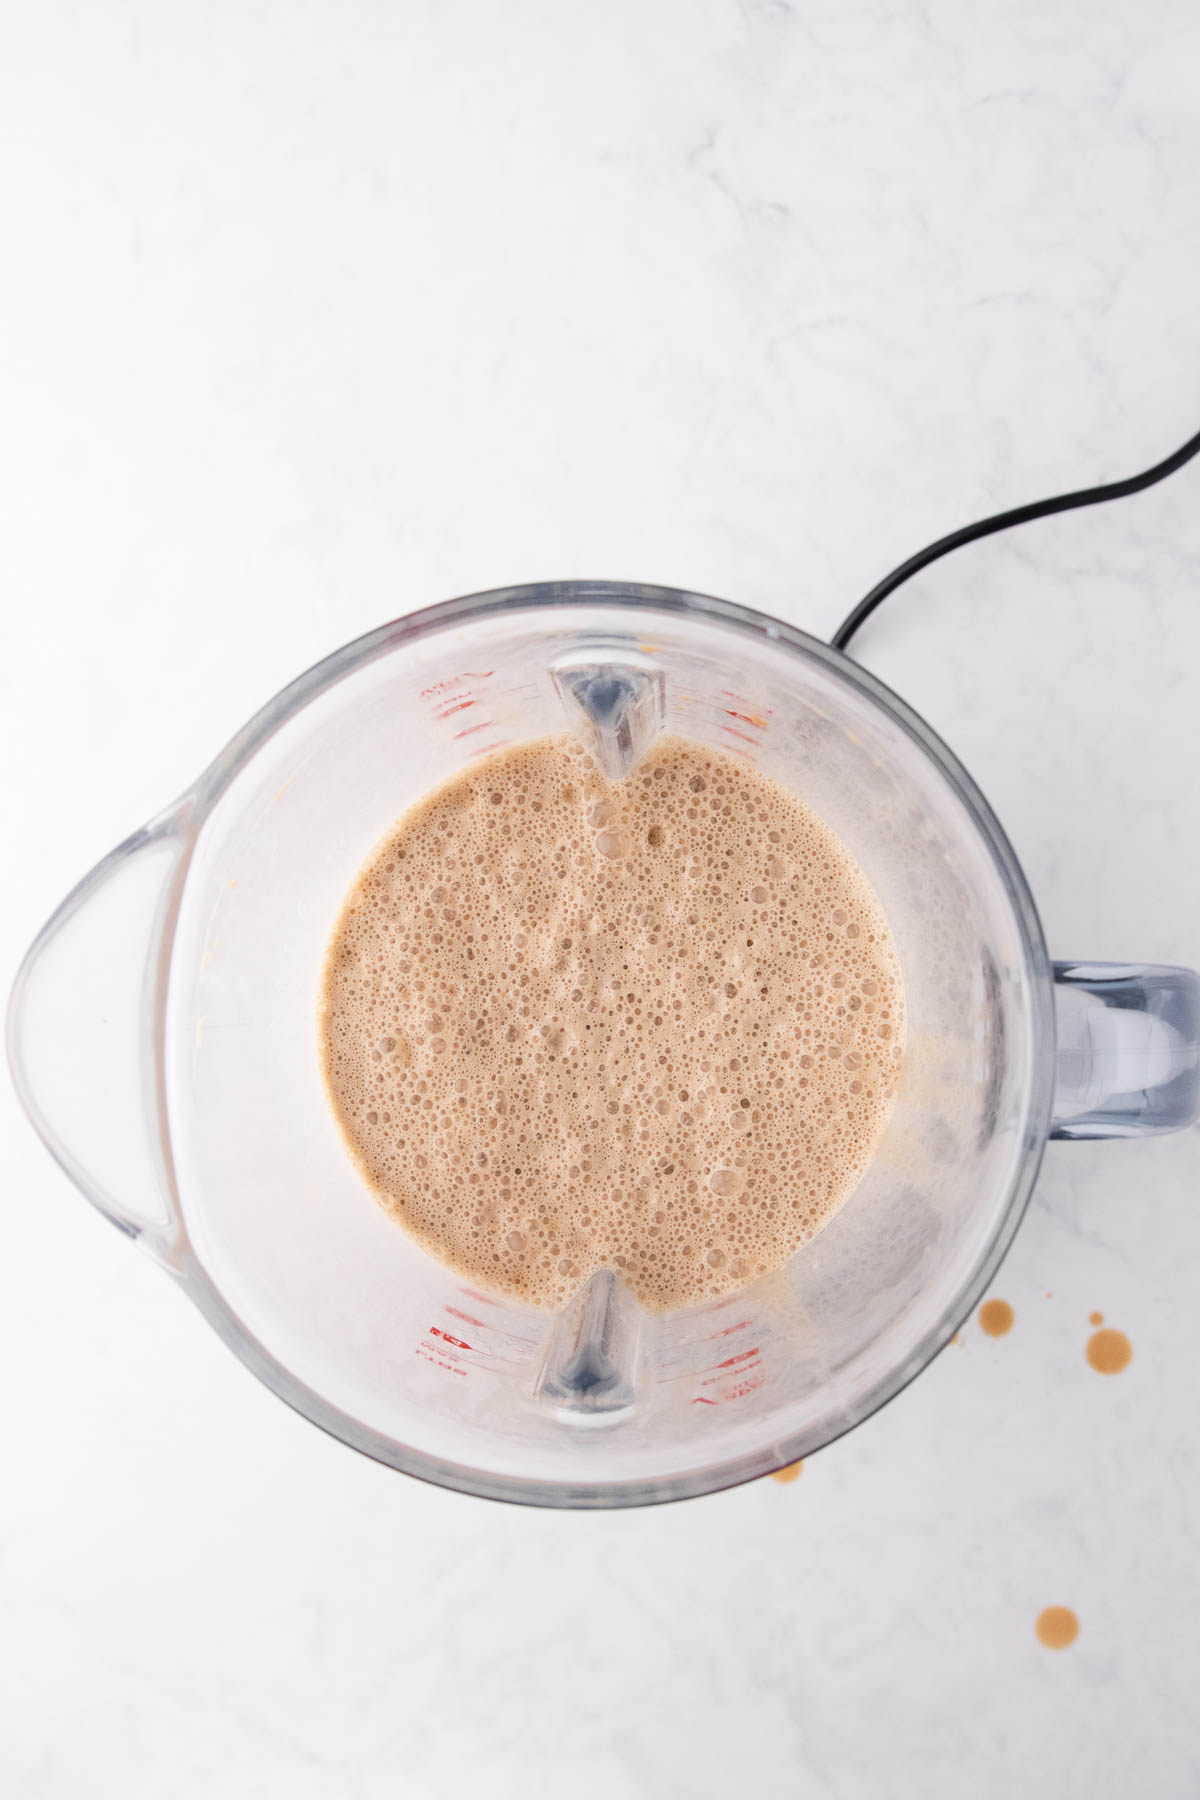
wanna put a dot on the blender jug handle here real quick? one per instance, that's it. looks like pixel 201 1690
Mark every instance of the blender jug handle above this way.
pixel 1128 1059
pixel 84 1024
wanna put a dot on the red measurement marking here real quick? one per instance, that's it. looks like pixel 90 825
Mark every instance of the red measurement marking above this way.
pixel 448 712
pixel 436 1331
pixel 748 719
pixel 742 1356
pixel 455 681
pixel 483 1299
pixel 734 732
pixel 470 730
pixel 728 694
pixel 439 1363
pixel 465 1317
pixel 750 1384
pixel 486 749
pixel 717 1380
pixel 730 1329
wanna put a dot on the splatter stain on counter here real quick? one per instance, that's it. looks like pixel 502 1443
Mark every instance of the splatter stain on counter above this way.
pixel 1109 1351
pixel 1096 1318
pixel 790 1473
pixel 996 1318
pixel 1056 1627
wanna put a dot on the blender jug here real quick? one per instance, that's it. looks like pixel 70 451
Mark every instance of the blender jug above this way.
pixel 162 1034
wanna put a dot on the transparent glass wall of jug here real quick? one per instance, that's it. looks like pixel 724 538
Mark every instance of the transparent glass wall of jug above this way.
pixel 301 1267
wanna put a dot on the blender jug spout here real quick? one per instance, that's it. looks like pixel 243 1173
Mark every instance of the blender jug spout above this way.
pixel 590 1366
pixel 614 699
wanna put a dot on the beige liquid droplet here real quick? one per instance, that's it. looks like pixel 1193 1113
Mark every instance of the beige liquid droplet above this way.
pixel 789 1473
pixel 996 1318
pixel 1109 1351
pixel 1096 1318
pixel 1056 1627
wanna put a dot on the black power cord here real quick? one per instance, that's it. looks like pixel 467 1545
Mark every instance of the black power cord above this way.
pixel 1019 515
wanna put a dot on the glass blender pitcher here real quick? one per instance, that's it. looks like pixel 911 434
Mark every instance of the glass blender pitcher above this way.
pixel 162 1034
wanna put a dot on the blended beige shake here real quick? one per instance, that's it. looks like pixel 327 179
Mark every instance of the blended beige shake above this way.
pixel 653 1025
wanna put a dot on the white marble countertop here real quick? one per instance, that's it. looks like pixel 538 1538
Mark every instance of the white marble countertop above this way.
pixel 316 314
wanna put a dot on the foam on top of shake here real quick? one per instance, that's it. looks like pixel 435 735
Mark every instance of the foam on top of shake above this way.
pixel 652 1025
